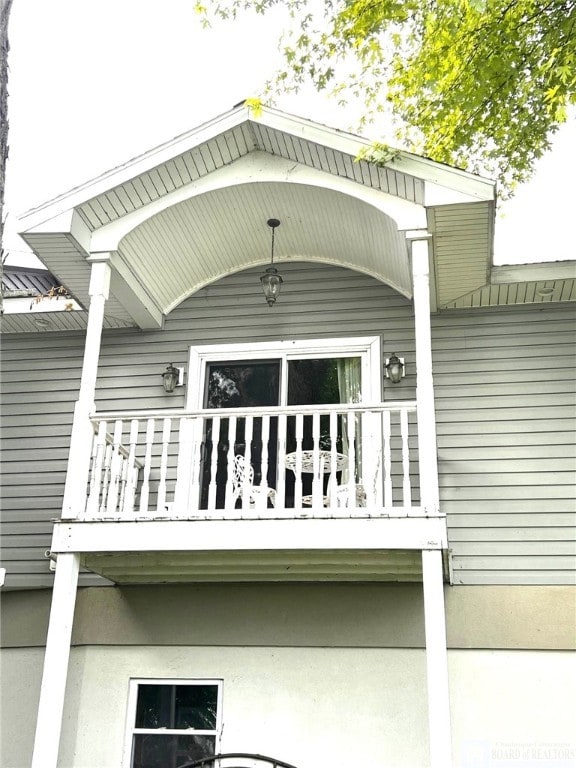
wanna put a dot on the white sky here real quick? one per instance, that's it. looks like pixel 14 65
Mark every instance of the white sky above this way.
pixel 94 83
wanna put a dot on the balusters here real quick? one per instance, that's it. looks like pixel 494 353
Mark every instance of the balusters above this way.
pixel 363 462
pixel 248 470
pixel 161 498
pixel 406 485
pixel 131 470
pixel 265 431
pixel 317 464
pixel 115 471
pixel 184 466
pixel 214 462
pixel 332 479
pixel 145 490
pixel 387 463
pixel 229 495
pixel 98 450
pixel 196 459
pixel 350 469
pixel 299 434
pixel 281 468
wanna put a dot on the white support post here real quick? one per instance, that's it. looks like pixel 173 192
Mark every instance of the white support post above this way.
pixel 428 461
pixel 82 433
pixel 436 660
pixel 51 706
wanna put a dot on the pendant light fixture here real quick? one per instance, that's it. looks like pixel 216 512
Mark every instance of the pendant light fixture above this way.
pixel 271 280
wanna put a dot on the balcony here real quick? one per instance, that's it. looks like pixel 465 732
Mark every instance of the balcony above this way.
pixel 299 492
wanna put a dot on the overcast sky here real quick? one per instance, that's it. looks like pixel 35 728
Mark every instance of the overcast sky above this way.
pixel 94 83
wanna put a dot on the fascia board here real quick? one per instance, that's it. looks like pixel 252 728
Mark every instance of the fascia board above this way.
pixel 428 170
pixel 454 179
pixel 129 170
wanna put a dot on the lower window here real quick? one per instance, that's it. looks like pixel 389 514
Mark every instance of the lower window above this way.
pixel 173 722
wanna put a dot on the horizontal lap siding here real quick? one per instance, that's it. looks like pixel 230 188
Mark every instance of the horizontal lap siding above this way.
pixel 505 408
pixel 41 374
pixel 40 379
pixel 316 301
pixel 504 384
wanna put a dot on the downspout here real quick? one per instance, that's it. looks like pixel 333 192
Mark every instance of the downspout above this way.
pixel 55 670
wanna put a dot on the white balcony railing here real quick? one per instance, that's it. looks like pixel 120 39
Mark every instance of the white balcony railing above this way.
pixel 313 461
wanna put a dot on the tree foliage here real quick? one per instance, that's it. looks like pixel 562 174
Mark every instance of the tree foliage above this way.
pixel 480 84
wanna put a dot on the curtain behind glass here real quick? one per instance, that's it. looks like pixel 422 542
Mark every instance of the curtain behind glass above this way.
pixel 350 388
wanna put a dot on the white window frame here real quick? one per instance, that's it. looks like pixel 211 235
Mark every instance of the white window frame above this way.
pixel 366 347
pixel 131 729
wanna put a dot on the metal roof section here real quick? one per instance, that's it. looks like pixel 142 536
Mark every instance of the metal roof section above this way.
pixel 195 209
pixel 33 301
pixel 18 282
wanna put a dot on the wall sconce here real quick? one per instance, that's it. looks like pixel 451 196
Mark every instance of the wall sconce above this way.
pixel 271 280
pixel 172 378
pixel 394 368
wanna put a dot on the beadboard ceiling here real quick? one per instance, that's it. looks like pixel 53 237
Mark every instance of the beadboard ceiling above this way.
pixel 195 209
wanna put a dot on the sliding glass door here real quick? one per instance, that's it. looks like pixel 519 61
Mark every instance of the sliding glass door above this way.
pixel 259 381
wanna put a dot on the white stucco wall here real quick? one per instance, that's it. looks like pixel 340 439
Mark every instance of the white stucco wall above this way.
pixel 20 677
pixel 314 707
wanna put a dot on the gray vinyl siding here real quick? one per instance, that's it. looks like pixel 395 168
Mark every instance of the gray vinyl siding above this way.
pixel 40 380
pixel 504 394
pixel 506 422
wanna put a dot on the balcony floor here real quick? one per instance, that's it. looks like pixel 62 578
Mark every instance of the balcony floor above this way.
pixel 306 549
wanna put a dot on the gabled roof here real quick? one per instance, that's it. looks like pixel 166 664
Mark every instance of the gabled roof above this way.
pixel 195 209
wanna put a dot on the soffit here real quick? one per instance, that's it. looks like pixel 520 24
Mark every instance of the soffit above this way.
pixel 510 294
pixel 245 566
pixel 463 273
pixel 46 322
pixel 66 260
pixel 224 231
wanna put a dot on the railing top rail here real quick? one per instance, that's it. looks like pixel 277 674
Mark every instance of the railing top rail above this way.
pixel 178 413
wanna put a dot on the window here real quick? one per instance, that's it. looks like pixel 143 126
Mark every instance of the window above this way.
pixel 173 722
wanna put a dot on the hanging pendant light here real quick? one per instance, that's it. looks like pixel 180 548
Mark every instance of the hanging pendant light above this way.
pixel 271 280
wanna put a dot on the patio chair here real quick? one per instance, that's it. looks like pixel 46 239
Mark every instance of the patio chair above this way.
pixel 343 495
pixel 243 480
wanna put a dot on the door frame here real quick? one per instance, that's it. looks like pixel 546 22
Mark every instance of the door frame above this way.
pixel 366 347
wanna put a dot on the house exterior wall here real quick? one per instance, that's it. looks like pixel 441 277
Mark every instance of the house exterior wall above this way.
pixel 312 674
pixel 504 389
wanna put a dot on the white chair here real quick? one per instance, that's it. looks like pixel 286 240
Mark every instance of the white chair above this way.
pixel 343 495
pixel 243 481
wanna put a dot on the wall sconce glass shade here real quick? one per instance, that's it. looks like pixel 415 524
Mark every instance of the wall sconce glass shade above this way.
pixel 271 283
pixel 394 368
pixel 170 378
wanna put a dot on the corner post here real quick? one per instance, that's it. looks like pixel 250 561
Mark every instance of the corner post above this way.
pixel 428 462
pixel 51 706
pixel 55 670
pixel 82 433
pixel 436 660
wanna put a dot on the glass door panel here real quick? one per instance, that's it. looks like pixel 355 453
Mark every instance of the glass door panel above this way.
pixel 321 381
pixel 243 385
